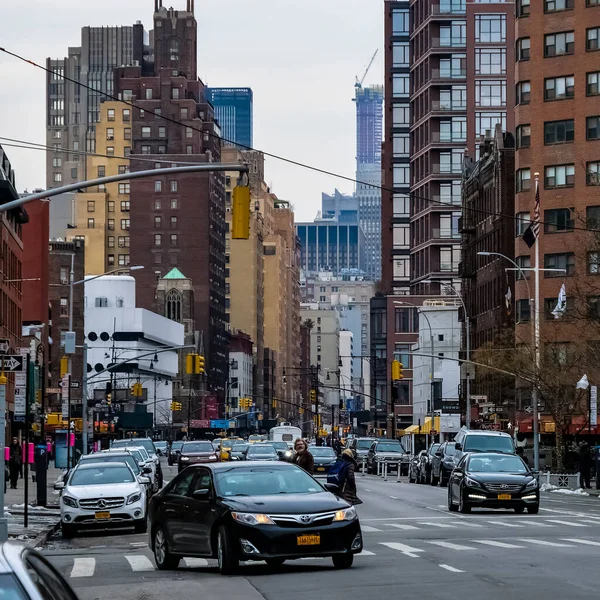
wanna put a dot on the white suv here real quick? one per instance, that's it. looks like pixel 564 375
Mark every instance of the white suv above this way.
pixel 101 495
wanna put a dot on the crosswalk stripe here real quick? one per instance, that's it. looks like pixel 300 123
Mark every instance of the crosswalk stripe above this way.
pixel 367 553
pixel 570 523
pixel 466 524
pixel 400 526
pixel 504 524
pixel 195 563
pixel 369 529
pixel 451 569
pixel 139 562
pixel 83 567
pixel 546 543
pixel 440 525
pixel 451 546
pixel 496 544
pixel 584 542
pixel 313 558
pixel 407 550
pixel 536 523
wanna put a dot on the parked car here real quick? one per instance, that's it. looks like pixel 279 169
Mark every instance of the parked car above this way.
pixel 238 451
pixel 469 440
pixel 390 451
pixel 426 463
pixel 27 575
pixel 493 480
pixel 283 450
pixel 196 452
pixel 442 464
pixel 99 495
pixel 360 446
pixel 324 458
pixel 148 445
pixel 212 511
pixel 261 452
pixel 161 447
pixel 414 467
pixel 144 460
pixel 174 452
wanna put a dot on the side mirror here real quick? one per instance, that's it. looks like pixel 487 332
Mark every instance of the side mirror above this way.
pixel 59 485
pixel 147 470
pixel 201 494
pixel 458 446
pixel 145 480
pixel 438 454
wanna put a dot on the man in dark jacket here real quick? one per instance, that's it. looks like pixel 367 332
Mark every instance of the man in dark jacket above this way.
pixel 303 458
pixel 15 462
pixel 585 465
pixel 348 486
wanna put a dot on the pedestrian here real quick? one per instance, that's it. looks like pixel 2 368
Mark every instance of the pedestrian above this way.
pixel 319 441
pixel 585 465
pixel 348 485
pixel 302 457
pixel 15 462
pixel 521 453
pixel 337 446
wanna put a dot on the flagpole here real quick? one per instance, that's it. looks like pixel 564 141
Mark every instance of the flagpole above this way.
pixel 536 328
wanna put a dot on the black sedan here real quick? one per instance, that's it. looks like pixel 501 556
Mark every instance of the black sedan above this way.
pixel 174 452
pixel 284 451
pixel 324 458
pixel 493 480
pixel 249 512
pixel 442 464
pixel 238 451
pixel 261 452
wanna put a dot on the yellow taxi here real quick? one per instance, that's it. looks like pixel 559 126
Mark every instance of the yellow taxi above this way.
pixel 255 438
pixel 226 445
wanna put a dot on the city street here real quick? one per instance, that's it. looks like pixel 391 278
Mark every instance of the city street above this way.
pixel 412 545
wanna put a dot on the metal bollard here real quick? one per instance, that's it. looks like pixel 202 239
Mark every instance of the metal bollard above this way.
pixel 384 474
pixel 378 468
pixel 399 471
pixel 364 465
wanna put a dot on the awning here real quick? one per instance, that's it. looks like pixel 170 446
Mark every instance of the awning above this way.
pixel 427 425
pixel 411 429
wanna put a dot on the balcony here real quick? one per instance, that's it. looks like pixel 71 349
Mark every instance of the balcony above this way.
pixel 447 107
pixel 437 43
pixel 449 267
pixel 445 233
pixel 451 7
pixel 451 169
pixel 447 75
pixel 443 138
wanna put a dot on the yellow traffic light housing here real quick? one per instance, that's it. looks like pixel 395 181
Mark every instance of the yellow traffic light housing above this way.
pixel 64 366
pixel 240 221
pixel 189 364
pixel 313 395
pixel 397 370
pixel 137 390
pixel 199 365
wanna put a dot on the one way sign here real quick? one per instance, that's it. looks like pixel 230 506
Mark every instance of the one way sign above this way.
pixel 12 363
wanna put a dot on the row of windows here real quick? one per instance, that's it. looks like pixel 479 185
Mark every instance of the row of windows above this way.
pixel 550 6
pixel 559 220
pixel 559 88
pixel 110 224
pixel 158 239
pixel 123 260
pixel 559 44
pixel 559 176
pixel 559 132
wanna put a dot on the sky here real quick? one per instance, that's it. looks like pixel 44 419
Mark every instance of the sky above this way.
pixel 300 57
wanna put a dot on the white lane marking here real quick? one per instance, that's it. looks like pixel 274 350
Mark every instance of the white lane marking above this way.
pixel 406 550
pixel 441 525
pixel 195 563
pixel 139 562
pixel 366 490
pixel 569 523
pixel 451 569
pixel 404 518
pixel 401 526
pixel 83 567
pixel 546 543
pixel 585 542
pixel 496 544
pixel 394 497
pixel 466 524
pixel 451 546
pixel 366 553
pixel 369 529
pixel 536 523
pixel 504 524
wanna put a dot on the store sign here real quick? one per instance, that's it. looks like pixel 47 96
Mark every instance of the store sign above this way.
pixel 594 406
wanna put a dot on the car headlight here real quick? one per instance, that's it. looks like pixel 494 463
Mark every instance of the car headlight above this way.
pixel 213 457
pixel 70 501
pixel 157 461
pixel 348 514
pixel 472 482
pixel 252 519
pixel 532 485
pixel 182 458
pixel 134 498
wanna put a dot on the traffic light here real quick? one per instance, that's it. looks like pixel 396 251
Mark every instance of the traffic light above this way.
pixel 301 410
pixel 176 406
pixel 189 364
pixel 274 403
pixel 137 390
pixel 64 366
pixel 109 399
pixel 397 370
pixel 245 402
pixel 313 395
pixel 240 219
pixel 199 364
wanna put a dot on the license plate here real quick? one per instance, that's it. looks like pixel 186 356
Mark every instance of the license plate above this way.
pixel 309 540
pixel 504 496
pixel 320 468
pixel 102 515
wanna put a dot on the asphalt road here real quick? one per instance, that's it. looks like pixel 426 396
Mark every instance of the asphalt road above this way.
pixel 413 548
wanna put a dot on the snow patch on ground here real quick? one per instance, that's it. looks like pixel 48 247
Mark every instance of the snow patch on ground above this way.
pixel 548 487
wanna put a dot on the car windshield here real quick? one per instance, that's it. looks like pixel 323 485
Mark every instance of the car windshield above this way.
pixel 450 450
pixel 228 443
pixel 279 445
pixel 255 438
pixel 239 448
pixel 176 445
pixel 142 452
pixel 161 445
pixel 497 464
pixel 102 475
pixel 265 482
pixel 485 443
pixel 144 443
pixel 363 444
pixel 137 455
pixel 389 447
pixel 323 452
pixel 263 450
pixel 129 459
pixel 197 447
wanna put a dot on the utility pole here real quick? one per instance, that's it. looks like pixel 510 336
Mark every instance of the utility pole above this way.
pixel 84 405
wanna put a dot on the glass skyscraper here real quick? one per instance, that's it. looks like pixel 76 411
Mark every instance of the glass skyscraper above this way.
pixel 234 111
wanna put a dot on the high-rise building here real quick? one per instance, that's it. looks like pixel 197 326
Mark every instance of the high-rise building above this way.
pixel 369 124
pixel 234 112
pixel 339 206
pixel 72 110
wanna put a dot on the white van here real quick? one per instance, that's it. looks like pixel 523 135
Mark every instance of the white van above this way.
pixel 285 433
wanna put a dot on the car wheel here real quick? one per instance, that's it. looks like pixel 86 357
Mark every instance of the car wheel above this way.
pixel 519 510
pixel 228 563
pixel 464 507
pixel 155 485
pixel 343 561
pixel 451 506
pixel 533 510
pixel 141 526
pixel 68 531
pixel 163 558
pixel 274 562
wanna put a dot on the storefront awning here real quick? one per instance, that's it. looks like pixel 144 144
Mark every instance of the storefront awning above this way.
pixel 411 429
pixel 426 429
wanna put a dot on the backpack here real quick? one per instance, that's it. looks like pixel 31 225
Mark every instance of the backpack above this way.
pixel 337 473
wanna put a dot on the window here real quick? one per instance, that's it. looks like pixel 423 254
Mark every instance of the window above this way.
pixel 486 121
pixel 56 134
pixel 490 92
pixel 592 39
pixel 523 49
pixel 490 28
pixel 522 220
pixel 175 93
pixel 127 151
pixel 124 188
pixel 525 263
pixel 64 307
pixel 110 150
pixel 126 115
pixel 449 258
pixel 110 133
pixel 189 132
pixel 592 128
pixel 111 241
pixel 111 224
pixel 183 113
pixel 158 239
pixel 401 144
pixel 157 222
pixel 400 54
pixel 406 320
pixel 158 186
pixel 557 5
pixel 110 114
pixel 451 162
pixel 111 259
pixel 124 241
pixel 523 136
pixel 401 235
pixel 146 132
pixel 189 149
pixel 593 307
pixel 523 311
pixel 559 44
pixel 490 61
pixel 558 220
pixel 559 176
pixel 162 132
pixel 589 3
pixel 124 260
pixel 523 92
pixel 162 149
pixel 174 238
pixel 400 22
pixel 593 89
pixel 564 261
pixel 592 174
pixel 146 150
pixel 400 85
pixel 148 93
pixel 91 206
pixel 401 205
pixel 174 203
pixel 593 217
pixel 57 163
pixel 57 177
pixel 91 223
pixel 173 186
pixel 157 204
pixel 559 132
pixel 401 115
pixel 401 176
pixel 559 88
pixel 173 222
pixel 401 267
pixel 523 180
pixel 125 206
pixel 593 263
pixel 125 223
pixel 123 169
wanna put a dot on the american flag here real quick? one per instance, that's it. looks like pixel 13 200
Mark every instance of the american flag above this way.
pixel 535 225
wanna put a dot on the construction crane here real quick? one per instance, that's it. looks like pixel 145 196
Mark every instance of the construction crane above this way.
pixel 359 82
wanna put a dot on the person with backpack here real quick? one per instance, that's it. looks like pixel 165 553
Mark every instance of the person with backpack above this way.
pixel 302 457
pixel 342 475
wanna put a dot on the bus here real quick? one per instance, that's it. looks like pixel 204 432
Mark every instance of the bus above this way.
pixel 285 433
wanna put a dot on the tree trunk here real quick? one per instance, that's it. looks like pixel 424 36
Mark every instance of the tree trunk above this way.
pixel 560 449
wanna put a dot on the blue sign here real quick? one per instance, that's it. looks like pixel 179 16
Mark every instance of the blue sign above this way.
pixel 219 424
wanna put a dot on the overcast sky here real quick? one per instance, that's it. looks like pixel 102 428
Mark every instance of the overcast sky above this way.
pixel 299 56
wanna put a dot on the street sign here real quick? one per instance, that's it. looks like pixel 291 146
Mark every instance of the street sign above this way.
pixel 4 345
pixel 593 406
pixel 12 362
pixel 64 384
pixel 74 384
pixel 53 390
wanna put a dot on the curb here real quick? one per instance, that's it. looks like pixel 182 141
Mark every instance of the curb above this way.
pixel 42 539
